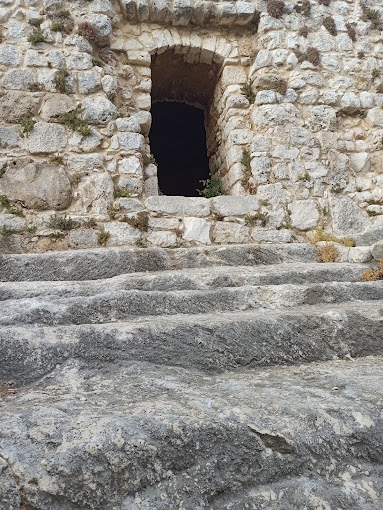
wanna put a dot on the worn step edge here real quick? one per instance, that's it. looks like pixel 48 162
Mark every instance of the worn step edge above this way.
pixel 125 305
pixel 190 279
pixel 105 263
pixel 208 342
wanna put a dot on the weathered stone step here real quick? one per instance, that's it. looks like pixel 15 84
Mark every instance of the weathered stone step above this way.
pixel 190 279
pixel 149 436
pixel 124 305
pixel 109 262
pixel 210 342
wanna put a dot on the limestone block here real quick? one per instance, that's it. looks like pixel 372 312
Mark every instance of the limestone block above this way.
pixel 308 97
pixel 285 152
pixel 19 31
pixel 360 162
pixel 377 250
pixel 160 11
pixel 10 137
pixel 19 79
pixel 182 206
pixel 344 42
pixel 15 104
pixel 12 222
pixel 37 183
pixel 366 99
pixel 9 56
pixel 264 58
pixel 162 238
pixel 237 102
pixel 102 25
pixel 165 223
pixel 55 105
pixel 142 10
pixel 145 120
pixel 299 136
pixel 226 14
pixel 290 96
pixel 139 58
pixel 265 97
pixel 304 214
pixel 227 233
pixel 143 101
pixel 83 238
pixel 275 115
pixel 34 59
pixel 313 78
pixel 88 81
pixel 239 137
pixel 322 117
pixel 323 41
pixel 274 193
pixel 269 23
pixel 78 42
pixel 329 97
pixel 348 218
pixel 96 193
pixel 261 144
pixel 130 204
pixel 109 84
pixel 375 117
pixel 350 102
pixel 330 62
pixel 47 138
pixel 279 57
pixel 151 186
pixel 260 168
pixel 86 143
pixel 79 61
pixel 5 14
pixel 266 235
pixel 130 183
pixel 234 206
pixel 98 110
pixel 130 165
pixel 130 124
pixel 84 162
pixel 196 229
pixel 132 141
pixel 233 75
pixel 121 233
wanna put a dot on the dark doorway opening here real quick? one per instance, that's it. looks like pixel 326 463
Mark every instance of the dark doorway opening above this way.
pixel 178 142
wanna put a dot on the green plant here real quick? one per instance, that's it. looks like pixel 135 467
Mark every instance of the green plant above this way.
pixel 360 54
pixel 36 36
pixel 375 73
pixel 103 238
pixel 91 223
pixel 211 188
pixel 63 13
pixel 246 90
pixel 27 123
pixel 60 80
pixel 113 210
pixel 306 7
pixel 245 161
pixel 141 221
pixel 6 231
pixel 57 236
pixel 259 217
pixel 72 121
pixel 32 229
pixel 38 206
pixel 123 192
pixel 324 211
pixel 320 235
pixel 265 202
pixel 371 15
pixel 58 222
pixel 373 275
pixel 327 253
pixel 3 169
pixel 141 242
pixel 149 159
pixel 275 8
pixel 97 62
pixel 5 202
pixel 351 31
pixel 329 25
pixel 58 26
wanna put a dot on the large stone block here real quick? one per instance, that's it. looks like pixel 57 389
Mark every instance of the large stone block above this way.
pixel 234 206
pixel 47 138
pixel 304 214
pixel 10 137
pixel 37 184
pixel 12 223
pixel 196 229
pixel 163 238
pixel 55 105
pixel 275 115
pixel 9 56
pixel 348 218
pixel 96 193
pixel 15 104
pixel 19 79
pixel 266 235
pixel 132 141
pixel 227 233
pixel 85 162
pixel 98 110
pixel 182 206
pixel 121 233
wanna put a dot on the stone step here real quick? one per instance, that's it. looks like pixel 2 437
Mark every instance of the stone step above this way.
pixel 137 436
pixel 209 342
pixel 108 262
pixel 189 279
pixel 124 305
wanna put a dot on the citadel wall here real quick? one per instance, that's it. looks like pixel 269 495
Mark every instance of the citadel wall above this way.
pixel 294 121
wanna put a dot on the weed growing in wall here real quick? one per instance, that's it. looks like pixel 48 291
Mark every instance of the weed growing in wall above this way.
pixel 246 161
pixel 327 253
pixel 86 30
pixel 211 188
pixel 351 31
pixel 36 36
pixel 275 8
pixel 11 209
pixel 149 159
pixel 62 223
pixel 373 275
pixel 72 121
pixel 27 124
pixel 103 238
pixel 375 73
pixel 58 26
pixel 123 192
pixel 247 91
pixel 3 169
pixel 140 221
pixel 60 80
pixel 329 25
pixel 320 235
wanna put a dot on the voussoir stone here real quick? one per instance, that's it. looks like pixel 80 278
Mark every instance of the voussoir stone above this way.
pixel 47 138
pixel 183 206
pixel 42 184
pixel 234 206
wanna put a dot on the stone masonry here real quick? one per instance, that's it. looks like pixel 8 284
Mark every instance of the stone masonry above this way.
pixel 294 123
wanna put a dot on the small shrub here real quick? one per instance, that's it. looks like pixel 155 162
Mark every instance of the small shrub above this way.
pixel 379 88
pixel 327 253
pixel 329 25
pixel 351 31
pixel 6 231
pixel 304 32
pixel 34 87
pixel 103 238
pixel 62 223
pixel 371 15
pixel 123 192
pixel 247 91
pixel 63 13
pixel 57 160
pixel 113 210
pixel 3 169
pixel 142 242
pixel 37 206
pixel 245 161
pixel 140 221
pixel 32 230
pixel 57 26
pixel 360 54
pixel 91 223
pixel 27 123
pixel 306 7
pixel 72 121
pixel 5 202
pixel 36 36
pixel 275 8
pixel 320 235
pixel 313 56
pixel 86 30
pixel 60 80
pixel 375 73
pixel 373 275
pixel 149 159
pixel 259 217
pixel 211 188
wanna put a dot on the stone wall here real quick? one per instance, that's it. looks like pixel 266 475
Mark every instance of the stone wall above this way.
pixel 294 126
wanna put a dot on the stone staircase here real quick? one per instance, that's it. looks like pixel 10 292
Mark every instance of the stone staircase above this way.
pixel 226 377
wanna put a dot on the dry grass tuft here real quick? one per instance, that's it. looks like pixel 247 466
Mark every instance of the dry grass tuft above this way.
pixel 373 275
pixel 327 253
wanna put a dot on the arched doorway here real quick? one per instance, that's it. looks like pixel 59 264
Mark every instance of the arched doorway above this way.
pixel 182 137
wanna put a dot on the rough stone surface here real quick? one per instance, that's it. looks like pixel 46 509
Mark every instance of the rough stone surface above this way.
pixel 15 104
pixel 232 206
pixel 304 214
pixel 183 206
pixel 47 138
pixel 98 110
pixel 348 218
pixel 225 233
pixel 197 229
pixel 55 105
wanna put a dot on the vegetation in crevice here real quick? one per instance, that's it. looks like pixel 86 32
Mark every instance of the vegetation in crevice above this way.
pixel 103 238
pixel 247 91
pixel 60 81
pixel 62 223
pixel 373 274
pixel 327 253
pixel 27 124
pixel 140 221
pixel 72 121
pixel 211 187
pixel 36 36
